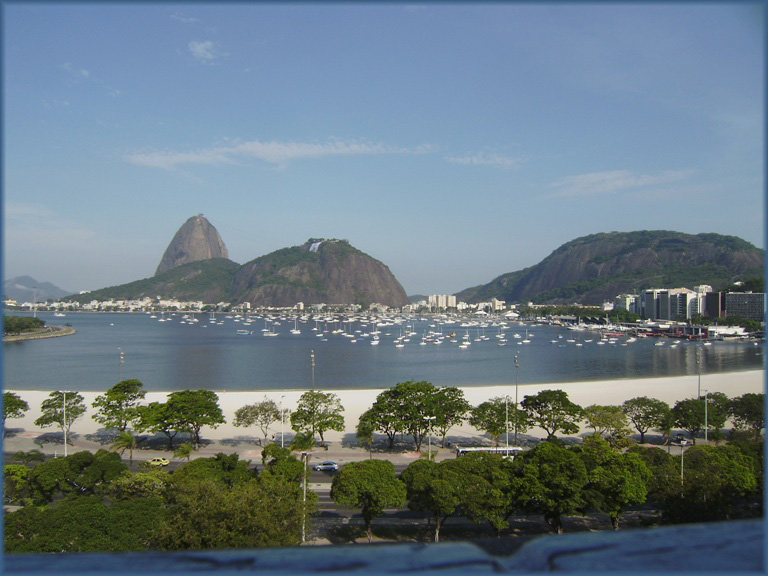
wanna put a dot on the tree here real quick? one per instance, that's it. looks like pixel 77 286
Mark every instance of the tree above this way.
pixel 13 407
pixel 717 479
pixel 184 452
pixel 552 411
pixel 261 414
pixel 433 489
pixel 197 408
pixel 125 441
pixel 161 417
pixel 615 480
pixel 227 469
pixel 748 412
pixel 607 421
pixel 280 461
pixel 317 413
pixel 118 407
pixel 689 415
pixel 53 410
pixel 15 483
pixel 260 512
pixel 85 524
pixel 450 410
pixel 717 412
pixel 78 474
pixel 153 483
pixel 383 416
pixel 370 486
pixel 490 417
pixel 645 414
pixel 549 479
pixel 364 432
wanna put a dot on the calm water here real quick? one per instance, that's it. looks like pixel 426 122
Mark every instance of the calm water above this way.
pixel 176 355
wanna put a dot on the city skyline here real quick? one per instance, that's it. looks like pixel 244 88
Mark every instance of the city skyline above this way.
pixel 454 143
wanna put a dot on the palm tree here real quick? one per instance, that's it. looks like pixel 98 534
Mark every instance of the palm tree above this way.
pixel 125 441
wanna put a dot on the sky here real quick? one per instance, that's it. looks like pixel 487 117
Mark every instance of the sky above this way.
pixel 452 142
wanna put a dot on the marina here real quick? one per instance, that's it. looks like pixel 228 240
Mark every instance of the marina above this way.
pixel 249 352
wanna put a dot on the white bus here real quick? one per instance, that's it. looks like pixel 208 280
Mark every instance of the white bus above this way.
pixel 508 452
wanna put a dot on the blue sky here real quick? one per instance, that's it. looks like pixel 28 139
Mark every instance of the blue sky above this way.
pixel 452 142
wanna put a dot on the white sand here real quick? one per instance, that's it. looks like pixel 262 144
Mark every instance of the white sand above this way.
pixel 355 402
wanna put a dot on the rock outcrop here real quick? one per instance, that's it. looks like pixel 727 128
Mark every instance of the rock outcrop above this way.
pixel 596 268
pixel 319 271
pixel 196 240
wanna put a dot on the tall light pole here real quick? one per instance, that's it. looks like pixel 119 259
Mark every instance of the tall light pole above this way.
pixel 706 422
pixel 429 430
pixel 121 361
pixel 312 360
pixel 506 419
pixel 698 368
pixel 517 366
pixel 64 420
pixel 282 421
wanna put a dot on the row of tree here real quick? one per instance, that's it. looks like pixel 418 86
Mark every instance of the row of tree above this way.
pixel 555 481
pixel 412 408
pixel 91 502
pixel 13 325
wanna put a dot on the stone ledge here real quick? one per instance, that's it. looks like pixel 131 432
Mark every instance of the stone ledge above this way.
pixel 725 547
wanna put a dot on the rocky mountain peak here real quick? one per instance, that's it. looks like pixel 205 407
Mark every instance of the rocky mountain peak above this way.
pixel 196 240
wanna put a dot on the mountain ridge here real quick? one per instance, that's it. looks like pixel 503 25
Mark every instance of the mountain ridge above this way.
pixel 596 268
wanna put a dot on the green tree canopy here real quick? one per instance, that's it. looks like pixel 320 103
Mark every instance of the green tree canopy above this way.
pixel 261 414
pixel 161 417
pixel 226 469
pixel 318 412
pixel 748 412
pixel 552 411
pixel 609 422
pixel 646 414
pixel 197 408
pixel 84 524
pixel 615 480
pixel 433 489
pixel 550 480
pixel 716 480
pixel 369 486
pixel 261 512
pixel 13 407
pixel 54 410
pixel 689 415
pixel 118 407
pixel 451 410
pixel 493 417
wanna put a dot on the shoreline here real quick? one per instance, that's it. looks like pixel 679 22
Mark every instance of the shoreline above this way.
pixel 669 389
pixel 49 332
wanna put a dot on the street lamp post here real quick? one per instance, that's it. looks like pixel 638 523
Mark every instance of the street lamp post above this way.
pixel 706 421
pixel 282 422
pixel 121 361
pixel 312 360
pixel 305 459
pixel 506 419
pixel 429 431
pixel 64 420
pixel 698 369
pixel 517 366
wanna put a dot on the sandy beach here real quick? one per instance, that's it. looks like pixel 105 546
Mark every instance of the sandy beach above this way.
pixel 23 432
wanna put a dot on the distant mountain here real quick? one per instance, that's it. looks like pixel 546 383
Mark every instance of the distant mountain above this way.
pixel 27 289
pixel 196 240
pixel 321 270
pixel 596 268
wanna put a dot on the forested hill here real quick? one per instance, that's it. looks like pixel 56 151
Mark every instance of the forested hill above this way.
pixel 595 268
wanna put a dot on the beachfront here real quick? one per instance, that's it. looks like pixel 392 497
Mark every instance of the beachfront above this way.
pixel 22 432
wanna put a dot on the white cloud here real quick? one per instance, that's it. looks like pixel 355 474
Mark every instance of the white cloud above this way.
pixel 184 19
pixel 205 52
pixel 274 152
pixel 481 159
pixel 76 72
pixel 601 183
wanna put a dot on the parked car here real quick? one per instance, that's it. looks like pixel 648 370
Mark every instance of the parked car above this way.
pixel 679 438
pixel 158 462
pixel 327 466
